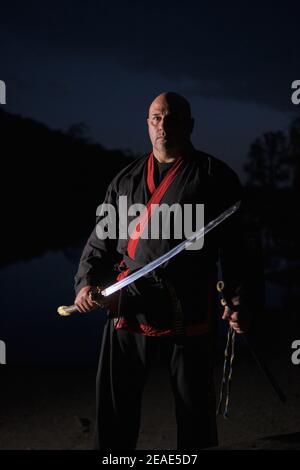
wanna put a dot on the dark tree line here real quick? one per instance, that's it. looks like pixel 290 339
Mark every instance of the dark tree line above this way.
pixel 273 175
pixel 51 185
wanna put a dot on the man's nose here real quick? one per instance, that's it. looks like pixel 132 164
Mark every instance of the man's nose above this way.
pixel 163 123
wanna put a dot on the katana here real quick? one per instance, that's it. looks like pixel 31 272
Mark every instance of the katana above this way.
pixel 229 357
pixel 65 311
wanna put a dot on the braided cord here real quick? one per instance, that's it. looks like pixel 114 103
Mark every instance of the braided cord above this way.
pixel 227 372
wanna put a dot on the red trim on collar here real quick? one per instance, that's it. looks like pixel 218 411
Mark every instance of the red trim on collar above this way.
pixel 156 196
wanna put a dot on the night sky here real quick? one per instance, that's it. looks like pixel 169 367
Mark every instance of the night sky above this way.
pixel 101 64
pixel 68 62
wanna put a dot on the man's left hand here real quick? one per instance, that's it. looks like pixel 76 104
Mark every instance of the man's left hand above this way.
pixel 239 318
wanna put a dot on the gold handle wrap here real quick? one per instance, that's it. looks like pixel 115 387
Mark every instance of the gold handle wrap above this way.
pixel 66 311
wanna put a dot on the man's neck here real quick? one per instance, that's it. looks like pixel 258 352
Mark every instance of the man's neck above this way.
pixel 169 156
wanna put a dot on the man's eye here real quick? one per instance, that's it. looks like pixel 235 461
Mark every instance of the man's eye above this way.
pixel 156 118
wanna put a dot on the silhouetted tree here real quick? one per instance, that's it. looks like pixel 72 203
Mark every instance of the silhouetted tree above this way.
pixel 294 153
pixel 267 164
pixel 79 130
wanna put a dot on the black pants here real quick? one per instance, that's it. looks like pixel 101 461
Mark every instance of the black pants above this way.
pixel 125 360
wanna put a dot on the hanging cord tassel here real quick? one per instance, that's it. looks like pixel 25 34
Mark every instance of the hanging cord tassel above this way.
pixel 223 381
pixel 225 414
pixel 227 372
pixel 228 361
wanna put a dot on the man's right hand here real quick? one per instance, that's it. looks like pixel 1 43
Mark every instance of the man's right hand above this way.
pixel 83 301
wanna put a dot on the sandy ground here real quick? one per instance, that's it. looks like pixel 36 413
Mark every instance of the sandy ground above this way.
pixel 54 408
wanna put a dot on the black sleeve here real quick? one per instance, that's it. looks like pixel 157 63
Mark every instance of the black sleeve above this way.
pixel 96 266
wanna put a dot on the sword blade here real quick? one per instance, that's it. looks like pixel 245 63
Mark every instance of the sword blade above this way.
pixel 170 254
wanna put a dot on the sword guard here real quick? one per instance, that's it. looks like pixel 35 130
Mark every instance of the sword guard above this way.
pixel 96 296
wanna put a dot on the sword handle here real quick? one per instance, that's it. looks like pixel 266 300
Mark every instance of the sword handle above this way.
pixel 66 311
pixel 225 302
pixel 95 297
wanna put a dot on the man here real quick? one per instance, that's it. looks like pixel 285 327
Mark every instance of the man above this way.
pixel 171 308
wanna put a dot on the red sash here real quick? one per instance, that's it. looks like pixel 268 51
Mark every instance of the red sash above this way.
pixel 156 196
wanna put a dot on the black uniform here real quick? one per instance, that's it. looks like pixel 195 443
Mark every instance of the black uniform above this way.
pixel 143 317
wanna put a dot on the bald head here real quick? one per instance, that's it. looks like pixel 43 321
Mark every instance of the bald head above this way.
pixel 170 124
pixel 174 101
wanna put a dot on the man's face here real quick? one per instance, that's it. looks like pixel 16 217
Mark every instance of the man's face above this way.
pixel 169 125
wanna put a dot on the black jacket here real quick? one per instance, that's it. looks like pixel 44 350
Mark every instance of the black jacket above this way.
pixel 203 180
